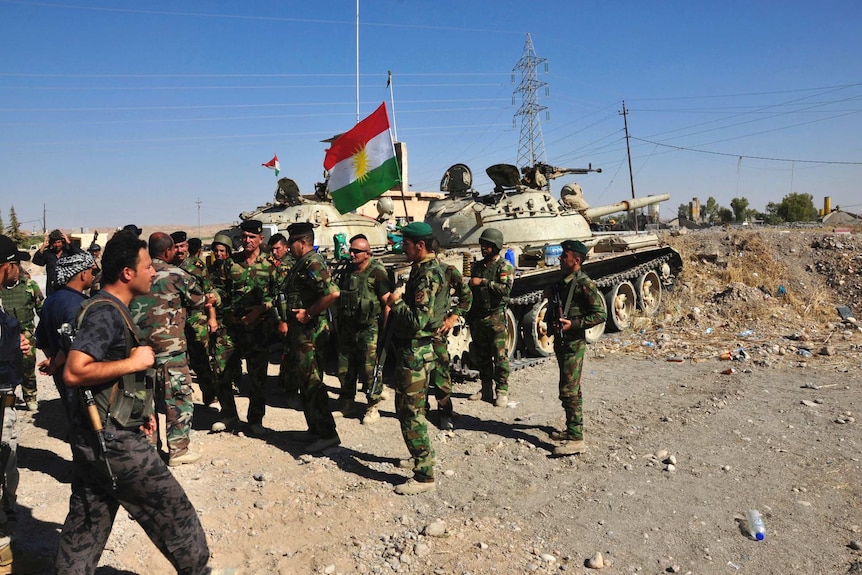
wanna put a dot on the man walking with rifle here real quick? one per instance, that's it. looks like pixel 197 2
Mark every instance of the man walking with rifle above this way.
pixel 113 462
pixel 575 307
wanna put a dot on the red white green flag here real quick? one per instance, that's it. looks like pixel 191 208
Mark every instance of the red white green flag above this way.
pixel 273 165
pixel 361 163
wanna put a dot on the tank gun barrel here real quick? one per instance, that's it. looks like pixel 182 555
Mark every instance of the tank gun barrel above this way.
pixel 625 205
pixel 553 172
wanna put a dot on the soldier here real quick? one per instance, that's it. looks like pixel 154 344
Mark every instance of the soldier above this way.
pixel 55 246
pixel 491 283
pixel 201 322
pixel 161 315
pixel 283 261
pixel 220 347
pixel 576 294
pixel 105 355
pixel 253 280
pixel 364 289
pixel 12 347
pixel 460 299
pixel 182 247
pixel 95 250
pixel 74 277
pixel 309 291
pixel 417 316
pixel 23 300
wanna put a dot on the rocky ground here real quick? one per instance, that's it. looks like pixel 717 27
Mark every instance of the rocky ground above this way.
pixel 682 445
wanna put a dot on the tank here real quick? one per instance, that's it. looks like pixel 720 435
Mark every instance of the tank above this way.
pixel 630 268
pixel 289 206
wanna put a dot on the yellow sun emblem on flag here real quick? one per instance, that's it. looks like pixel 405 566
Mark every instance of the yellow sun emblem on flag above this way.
pixel 360 164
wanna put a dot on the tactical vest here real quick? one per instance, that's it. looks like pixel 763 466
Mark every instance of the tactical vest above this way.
pixel 128 403
pixel 484 300
pixel 297 296
pixel 11 366
pixel 357 304
pixel 17 302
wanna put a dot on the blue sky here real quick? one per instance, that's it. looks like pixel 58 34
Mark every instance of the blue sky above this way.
pixel 114 112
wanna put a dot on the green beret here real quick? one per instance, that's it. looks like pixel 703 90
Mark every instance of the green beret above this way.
pixel 252 226
pixel 575 246
pixel 417 231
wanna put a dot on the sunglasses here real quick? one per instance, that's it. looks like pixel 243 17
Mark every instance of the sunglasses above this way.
pixel 358 251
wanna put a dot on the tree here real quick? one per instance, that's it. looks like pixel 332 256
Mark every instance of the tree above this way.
pixel 725 215
pixel 682 212
pixel 14 230
pixel 710 211
pixel 798 208
pixel 739 207
pixel 1 223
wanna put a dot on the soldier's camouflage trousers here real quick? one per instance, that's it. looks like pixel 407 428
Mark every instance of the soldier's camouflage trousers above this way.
pixel 308 343
pixel 571 364
pixel 490 355
pixel 415 363
pixel 251 345
pixel 441 376
pixel 357 353
pixel 28 386
pixel 10 442
pixel 220 351
pixel 145 488
pixel 197 340
pixel 175 382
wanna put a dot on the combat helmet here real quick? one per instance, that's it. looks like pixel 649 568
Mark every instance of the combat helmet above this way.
pixel 492 236
pixel 225 241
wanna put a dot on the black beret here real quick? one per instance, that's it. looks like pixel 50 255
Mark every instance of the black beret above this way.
pixel 133 228
pixel 252 226
pixel 179 237
pixel 275 238
pixel 300 229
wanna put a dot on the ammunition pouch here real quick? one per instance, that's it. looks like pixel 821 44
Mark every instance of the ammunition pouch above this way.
pixel 11 359
pixel 134 399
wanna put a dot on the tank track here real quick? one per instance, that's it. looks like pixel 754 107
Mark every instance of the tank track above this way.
pixel 535 297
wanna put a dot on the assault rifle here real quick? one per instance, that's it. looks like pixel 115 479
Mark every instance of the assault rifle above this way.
pixel 93 413
pixel 376 388
pixel 557 313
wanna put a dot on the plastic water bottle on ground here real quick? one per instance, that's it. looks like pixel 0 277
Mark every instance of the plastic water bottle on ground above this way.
pixel 755 525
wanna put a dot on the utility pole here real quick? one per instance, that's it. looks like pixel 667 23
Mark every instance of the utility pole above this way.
pixel 198 202
pixel 531 144
pixel 44 220
pixel 624 114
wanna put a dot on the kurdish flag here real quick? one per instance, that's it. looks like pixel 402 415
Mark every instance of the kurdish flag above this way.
pixel 361 162
pixel 273 165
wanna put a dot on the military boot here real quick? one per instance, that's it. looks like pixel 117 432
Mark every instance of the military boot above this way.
pixel 413 487
pixel 571 447
pixel 485 394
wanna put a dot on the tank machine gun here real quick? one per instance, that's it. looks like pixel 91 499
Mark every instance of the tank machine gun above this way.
pixel 631 270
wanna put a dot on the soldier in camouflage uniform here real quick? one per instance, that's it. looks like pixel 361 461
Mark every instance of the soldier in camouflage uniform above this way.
pixel 364 287
pixel 253 280
pixel 582 308
pixel 309 291
pixel 220 347
pixel 283 261
pixel 201 322
pixel 460 300
pixel 161 315
pixel 491 283
pixel 108 346
pixel 417 316
pixel 24 300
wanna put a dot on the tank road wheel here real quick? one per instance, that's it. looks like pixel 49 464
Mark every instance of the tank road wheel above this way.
pixel 458 344
pixel 511 332
pixel 538 336
pixel 597 331
pixel 621 302
pixel 649 292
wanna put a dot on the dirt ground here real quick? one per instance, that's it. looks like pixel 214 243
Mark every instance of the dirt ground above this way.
pixel 679 451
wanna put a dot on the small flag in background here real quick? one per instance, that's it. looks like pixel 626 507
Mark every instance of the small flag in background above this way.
pixel 361 162
pixel 273 165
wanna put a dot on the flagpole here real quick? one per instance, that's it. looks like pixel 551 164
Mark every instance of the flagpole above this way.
pixel 392 101
pixel 357 61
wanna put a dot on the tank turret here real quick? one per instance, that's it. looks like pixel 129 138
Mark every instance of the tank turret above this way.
pixel 290 206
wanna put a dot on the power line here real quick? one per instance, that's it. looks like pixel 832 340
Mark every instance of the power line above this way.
pixel 685 149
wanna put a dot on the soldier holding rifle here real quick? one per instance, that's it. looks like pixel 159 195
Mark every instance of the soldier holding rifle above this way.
pixel 575 306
